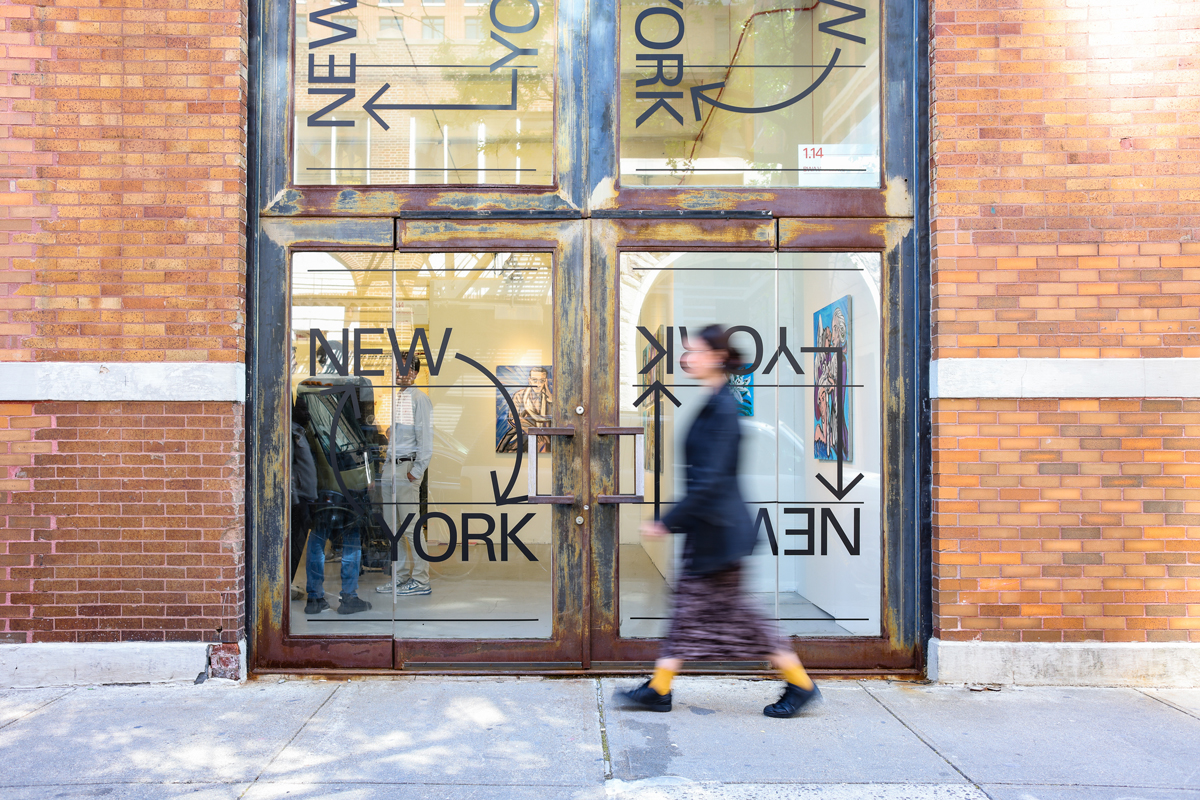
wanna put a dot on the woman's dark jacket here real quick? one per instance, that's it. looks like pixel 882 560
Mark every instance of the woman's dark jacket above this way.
pixel 712 514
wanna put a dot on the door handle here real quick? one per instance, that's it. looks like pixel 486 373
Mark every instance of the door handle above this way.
pixel 531 437
pixel 639 464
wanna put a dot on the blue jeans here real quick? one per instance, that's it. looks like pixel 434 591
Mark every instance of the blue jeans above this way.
pixel 351 560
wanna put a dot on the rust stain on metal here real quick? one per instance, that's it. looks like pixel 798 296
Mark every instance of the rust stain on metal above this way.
pixel 352 201
pixel 411 233
pixel 605 194
pixel 366 233
pixel 723 201
pixel 804 228
pixel 699 232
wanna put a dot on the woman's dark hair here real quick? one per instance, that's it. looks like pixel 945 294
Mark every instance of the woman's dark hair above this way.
pixel 717 338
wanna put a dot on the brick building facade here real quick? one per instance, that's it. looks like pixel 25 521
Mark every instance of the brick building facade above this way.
pixel 1065 212
pixel 122 133
pixel 1064 160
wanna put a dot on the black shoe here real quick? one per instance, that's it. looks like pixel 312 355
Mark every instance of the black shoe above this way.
pixel 646 698
pixel 316 605
pixel 353 604
pixel 793 700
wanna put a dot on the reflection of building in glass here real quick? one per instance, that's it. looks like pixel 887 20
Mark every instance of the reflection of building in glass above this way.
pixel 427 54
pixel 731 62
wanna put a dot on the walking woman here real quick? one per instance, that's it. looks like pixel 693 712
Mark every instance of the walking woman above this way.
pixel 713 618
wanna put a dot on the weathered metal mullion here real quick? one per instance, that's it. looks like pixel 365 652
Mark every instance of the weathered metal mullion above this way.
pixel 572 367
pixel 270 451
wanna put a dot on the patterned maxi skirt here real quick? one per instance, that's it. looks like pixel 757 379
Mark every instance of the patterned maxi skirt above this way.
pixel 714 620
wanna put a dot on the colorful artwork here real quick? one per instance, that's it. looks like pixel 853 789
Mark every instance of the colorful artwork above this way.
pixel 532 390
pixel 743 391
pixel 831 328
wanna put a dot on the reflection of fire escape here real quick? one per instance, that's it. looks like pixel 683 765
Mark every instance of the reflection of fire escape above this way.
pixel 526 278
pixel 733 62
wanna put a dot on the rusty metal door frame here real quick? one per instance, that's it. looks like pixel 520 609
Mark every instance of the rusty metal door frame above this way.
pixel 891 219
pixel 897 649
pixel 565 240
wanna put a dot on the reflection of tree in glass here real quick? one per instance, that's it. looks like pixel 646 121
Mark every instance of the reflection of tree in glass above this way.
pixel 535 87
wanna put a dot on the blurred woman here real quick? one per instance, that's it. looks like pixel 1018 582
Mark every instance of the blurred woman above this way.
pixel 713 618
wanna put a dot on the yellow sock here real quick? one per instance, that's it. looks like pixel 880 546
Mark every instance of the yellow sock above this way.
pixel 661 681
pixel 796 676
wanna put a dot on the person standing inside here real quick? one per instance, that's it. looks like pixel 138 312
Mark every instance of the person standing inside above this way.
pixel 409 453
pixel 713 618
pixel 304 488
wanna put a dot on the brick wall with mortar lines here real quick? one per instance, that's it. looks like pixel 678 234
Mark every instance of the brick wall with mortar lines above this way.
pixel 122 239
pixel 1065 213
pixel 1065 161
pixel 126 126
pixel 122 522
pixel 1067 520
pixel 20 216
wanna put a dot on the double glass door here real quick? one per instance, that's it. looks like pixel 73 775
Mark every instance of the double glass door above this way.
pixel 493 411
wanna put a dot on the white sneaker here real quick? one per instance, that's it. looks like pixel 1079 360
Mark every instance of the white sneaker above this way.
pixel 414 588
pixel 387 588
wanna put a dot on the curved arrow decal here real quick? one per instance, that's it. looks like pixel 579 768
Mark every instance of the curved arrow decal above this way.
pixel 698 93
pixel 503 498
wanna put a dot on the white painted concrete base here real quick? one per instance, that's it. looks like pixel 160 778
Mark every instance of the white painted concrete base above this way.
pixel 1174 665
pixel 90 663
pixel 160 381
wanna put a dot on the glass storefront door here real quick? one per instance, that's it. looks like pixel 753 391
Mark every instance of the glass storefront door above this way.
pixel 808 327
pixel 437 388
pixel 483 233
pixel 452 362
pixel 488 426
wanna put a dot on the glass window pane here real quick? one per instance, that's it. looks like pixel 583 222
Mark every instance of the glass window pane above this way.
pixel 817 566
pixel 432 94
pixel 416 457
pixel 749 93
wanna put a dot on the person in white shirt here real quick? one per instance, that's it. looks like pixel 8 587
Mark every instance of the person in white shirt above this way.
pixel 408 454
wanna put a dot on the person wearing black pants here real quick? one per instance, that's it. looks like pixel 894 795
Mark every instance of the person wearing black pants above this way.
pixel 304 485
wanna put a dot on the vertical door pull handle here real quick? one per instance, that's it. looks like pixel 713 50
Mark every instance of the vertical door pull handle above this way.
pixel 639 465
pixel 531 437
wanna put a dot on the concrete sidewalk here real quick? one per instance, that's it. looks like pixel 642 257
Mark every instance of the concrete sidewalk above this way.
pixel 520 739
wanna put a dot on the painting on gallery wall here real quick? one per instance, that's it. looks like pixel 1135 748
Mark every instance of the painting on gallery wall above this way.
pixel 532 391
pixel 742 387
pixel 831 328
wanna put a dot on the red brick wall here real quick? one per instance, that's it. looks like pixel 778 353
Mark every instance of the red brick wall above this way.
pixel 20 216
pixel 1067 520
pixel 125 138
pixel 1065 208
pixel 123 521
pixel 122 239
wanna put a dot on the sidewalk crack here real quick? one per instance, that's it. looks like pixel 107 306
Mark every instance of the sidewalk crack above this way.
pixel 926 742
pixel 288 743
pixel 608 773
pixel 1168 703
pixel 69 690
